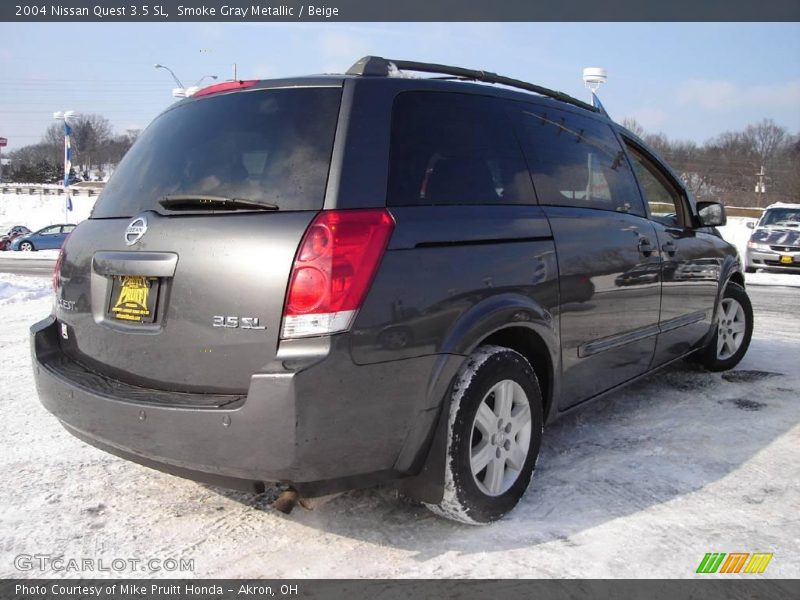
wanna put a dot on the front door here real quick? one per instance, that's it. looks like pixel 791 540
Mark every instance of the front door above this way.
pixel 691 262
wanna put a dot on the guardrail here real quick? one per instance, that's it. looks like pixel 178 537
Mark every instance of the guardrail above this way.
pixel 31 189
pixel 731 211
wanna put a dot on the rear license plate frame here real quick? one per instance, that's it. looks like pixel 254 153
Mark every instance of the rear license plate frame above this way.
pixel 139 304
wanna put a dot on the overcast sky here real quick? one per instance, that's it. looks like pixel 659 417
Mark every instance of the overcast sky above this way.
pixel 690 81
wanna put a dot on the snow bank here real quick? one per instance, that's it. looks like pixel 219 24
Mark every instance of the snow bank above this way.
pixel 17 288
pixel 40 210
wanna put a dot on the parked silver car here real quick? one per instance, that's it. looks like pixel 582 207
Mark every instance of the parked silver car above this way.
pixel 775 243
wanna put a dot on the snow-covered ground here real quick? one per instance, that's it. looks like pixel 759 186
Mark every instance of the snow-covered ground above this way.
pixel 642 484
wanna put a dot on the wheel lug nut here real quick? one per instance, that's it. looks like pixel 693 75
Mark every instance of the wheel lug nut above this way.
pixel 508 428
pixel 499 423
pixel 507 445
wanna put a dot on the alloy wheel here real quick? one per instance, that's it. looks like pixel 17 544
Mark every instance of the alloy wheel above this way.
pixel 501 437
pixel 731 327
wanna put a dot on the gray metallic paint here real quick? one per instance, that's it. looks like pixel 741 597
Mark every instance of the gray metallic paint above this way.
pixel 368 405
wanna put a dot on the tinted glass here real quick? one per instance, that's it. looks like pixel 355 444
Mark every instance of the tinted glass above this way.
pixel 450 148
pixel 576 161
pixel 663 200
pixel 269 146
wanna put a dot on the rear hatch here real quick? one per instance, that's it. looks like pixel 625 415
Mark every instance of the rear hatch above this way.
pixel 178 279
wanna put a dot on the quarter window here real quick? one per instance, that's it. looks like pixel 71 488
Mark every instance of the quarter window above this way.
pixel 450 148
pixel 576 161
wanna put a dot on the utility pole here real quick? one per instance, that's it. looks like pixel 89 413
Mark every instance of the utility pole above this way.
pixel 761 187
pixel 3 142
pixel 234 72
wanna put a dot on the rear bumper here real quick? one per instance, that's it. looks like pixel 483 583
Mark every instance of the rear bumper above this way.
pixel 320 423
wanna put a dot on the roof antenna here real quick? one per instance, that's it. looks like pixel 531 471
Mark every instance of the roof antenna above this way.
pixel 593 78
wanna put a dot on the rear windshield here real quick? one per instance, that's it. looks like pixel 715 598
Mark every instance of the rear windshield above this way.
pixel 269 146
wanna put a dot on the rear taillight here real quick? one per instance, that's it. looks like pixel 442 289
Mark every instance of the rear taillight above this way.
pixel 333 269
pixel 57 269
pixel 59 262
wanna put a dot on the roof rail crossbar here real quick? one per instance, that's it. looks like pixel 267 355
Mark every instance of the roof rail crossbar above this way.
pixel 376 66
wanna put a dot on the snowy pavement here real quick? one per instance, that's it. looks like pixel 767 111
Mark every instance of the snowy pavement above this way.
pixel 641 484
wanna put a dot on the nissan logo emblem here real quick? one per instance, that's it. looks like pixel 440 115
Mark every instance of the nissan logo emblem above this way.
pixel 135 230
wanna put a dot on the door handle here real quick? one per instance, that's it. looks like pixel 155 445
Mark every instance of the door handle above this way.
pixel 669 248
pixel 645 246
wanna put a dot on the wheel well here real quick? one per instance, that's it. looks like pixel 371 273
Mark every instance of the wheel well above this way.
pixel 532 347
pixel 737 277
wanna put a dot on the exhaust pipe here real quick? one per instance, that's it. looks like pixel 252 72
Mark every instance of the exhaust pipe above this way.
pixel 288 499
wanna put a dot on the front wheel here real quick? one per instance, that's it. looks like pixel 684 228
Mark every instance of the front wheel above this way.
pixel 26 247
pixel 494 434
pixel 734 328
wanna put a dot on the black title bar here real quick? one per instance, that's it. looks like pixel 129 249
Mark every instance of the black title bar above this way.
pixel 398 10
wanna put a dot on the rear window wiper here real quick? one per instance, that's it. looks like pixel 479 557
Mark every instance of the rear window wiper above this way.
pixel 199 202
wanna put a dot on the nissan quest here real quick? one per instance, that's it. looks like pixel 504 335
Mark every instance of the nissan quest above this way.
pixel 340 281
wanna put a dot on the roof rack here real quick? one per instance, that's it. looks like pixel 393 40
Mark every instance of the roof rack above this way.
pixel 376 66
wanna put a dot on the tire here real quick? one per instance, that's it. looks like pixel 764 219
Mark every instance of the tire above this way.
pixel 749 269
pixel 735 325
pixel 26 247
pixel 510 434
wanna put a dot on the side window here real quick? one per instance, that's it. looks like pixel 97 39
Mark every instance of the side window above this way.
pixel 576 161
pixel 664 200
pixel 67 228
pixel 51 230
pixel 450 148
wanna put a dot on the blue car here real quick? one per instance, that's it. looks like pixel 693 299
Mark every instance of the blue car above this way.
pixel 50 238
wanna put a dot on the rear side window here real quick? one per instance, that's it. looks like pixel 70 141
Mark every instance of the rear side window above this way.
pixel 576 161
pixel 271 146
pixel 450 148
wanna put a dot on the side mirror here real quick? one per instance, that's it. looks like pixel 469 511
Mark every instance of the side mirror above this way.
pixel 711 214
pixel 751 224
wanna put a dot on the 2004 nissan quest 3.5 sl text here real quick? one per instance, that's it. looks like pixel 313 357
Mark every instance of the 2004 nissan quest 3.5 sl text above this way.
pixel 338 281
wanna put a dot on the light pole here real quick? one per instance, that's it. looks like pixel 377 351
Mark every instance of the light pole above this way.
pixel 178 92
pixel 593 78
pixel 66 116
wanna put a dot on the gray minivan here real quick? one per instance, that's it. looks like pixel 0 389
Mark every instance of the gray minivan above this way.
pixel 339 281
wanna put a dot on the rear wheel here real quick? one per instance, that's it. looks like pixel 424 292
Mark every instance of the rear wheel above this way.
pixel 26 247
pixel 495 430
pixel 734 330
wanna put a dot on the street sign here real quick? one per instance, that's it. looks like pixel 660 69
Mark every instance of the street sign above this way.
pixel 3 142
